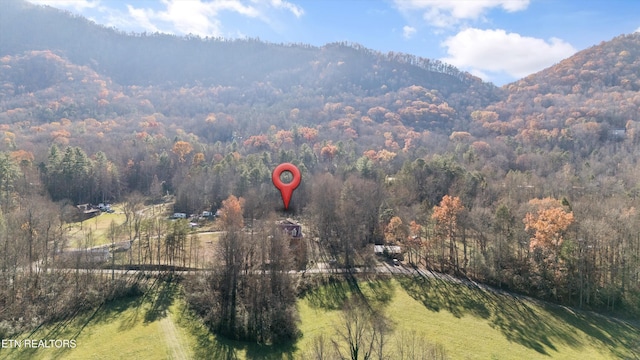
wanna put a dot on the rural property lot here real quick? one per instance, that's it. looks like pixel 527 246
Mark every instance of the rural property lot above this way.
pixel 156 325
pixel 440 309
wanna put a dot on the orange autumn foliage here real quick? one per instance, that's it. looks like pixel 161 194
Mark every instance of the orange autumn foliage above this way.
pixel 231 213
pixel 446 214
pixel 284 137
pixel 198 159
pixel 548 223
pixel 371 154
pixel 329 151
pixel 22 156
pixel 394 231
pixel 258 141
pixel 309 134
pixel 385 155
pixel 182 149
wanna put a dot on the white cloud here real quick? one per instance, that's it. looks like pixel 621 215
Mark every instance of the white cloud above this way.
pixel 637 30
pixel 447 13
pixel 496 51
pixel 188 17
pixel 293 8
pixel 408 31
pixel 141 18
pixel 203 18
pixel 181 17
pixel 77 5
pixel 199 18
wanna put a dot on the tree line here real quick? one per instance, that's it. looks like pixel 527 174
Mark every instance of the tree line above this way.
pixel 447 211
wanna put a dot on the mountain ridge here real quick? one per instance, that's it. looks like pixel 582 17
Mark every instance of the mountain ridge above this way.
pixel 584 98
pixel 192 60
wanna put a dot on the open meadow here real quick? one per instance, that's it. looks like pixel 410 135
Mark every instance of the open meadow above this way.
pixel 106 228
pixel 95 230
pixel 429 315
pixel 460 321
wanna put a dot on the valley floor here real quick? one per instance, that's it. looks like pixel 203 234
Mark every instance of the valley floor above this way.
pixel 464 321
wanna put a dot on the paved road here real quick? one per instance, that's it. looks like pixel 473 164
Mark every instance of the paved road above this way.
pixel 319 268
pixel 381 268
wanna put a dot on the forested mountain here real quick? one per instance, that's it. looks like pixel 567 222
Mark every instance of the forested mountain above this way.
pixel 155 59
pixel 588 98
pixel 532 187
pixel 214 73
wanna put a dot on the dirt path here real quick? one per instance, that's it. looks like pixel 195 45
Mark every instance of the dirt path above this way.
pixel 172 339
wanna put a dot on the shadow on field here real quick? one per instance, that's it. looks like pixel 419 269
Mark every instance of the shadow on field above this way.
pixel 533 324
pixel 281 352
pixel 214 347
pixel 608 332
pixel 379 292
pixel 222 349
pixel 333 294
pixel 209 348
pixel 162 296
pixel 74 325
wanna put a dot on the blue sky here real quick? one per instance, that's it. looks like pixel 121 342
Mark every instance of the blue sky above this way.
pixel 498 40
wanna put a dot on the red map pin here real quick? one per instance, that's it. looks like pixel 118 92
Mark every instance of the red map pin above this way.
pixel 286 189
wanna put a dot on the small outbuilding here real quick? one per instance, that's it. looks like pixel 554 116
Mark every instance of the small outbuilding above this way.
pixel 179 215
pixel 291 228
pixel 390 251
pixel 87 211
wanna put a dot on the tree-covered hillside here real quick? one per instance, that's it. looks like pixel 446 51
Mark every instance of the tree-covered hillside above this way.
pixel 156 59
pixel 577 104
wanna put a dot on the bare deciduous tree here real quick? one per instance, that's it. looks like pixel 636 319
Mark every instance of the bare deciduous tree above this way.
pixel 362 332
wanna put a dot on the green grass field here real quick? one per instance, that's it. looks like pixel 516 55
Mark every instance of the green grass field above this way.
pixel 94 231
pixel 476 324
pixel 127 328
pixel 467 323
